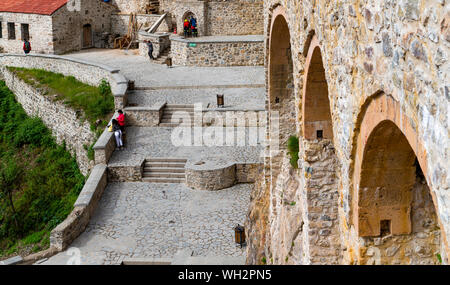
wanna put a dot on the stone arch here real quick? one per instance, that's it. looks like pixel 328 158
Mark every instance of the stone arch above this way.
pixel 390 201
pixel 281 89
pixel 281 100
pixel 320 163
pixel 316 114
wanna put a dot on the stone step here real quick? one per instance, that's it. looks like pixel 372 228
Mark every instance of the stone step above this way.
pixel 179 106
pixel 172 125
pixel 164 169
pixel 166 159
pixel 169 117
pixel 165 164
pixel 163 180
pixel 163 174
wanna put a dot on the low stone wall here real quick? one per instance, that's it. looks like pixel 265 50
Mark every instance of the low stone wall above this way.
pixel 66 232
pixel 247 172
pixel 86 72
pixel 210 173
pixel 229 51
pixel 145 116
pixel 126 173
pixel 63 121
pixel 160 43
pixel 104 147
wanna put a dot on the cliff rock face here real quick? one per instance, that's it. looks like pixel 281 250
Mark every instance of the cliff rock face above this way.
pixel 368 85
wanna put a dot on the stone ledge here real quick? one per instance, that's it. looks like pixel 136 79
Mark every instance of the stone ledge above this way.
pixel 220 39
pixel 66 232
pixel 51 56
pixel 90 188
pixel 104 147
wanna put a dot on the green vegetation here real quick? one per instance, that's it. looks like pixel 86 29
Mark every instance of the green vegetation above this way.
pixel 39 180
pixel 263 260
pixel 292 146
pixel 95 103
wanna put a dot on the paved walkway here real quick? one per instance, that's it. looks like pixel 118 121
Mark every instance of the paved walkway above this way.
pixel 150 220
pixel 235 98
pixel 146 142
pixel 146 74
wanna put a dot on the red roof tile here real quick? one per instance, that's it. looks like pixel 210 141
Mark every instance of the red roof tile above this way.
pixel 42 7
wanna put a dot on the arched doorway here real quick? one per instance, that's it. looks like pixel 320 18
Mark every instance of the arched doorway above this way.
pixel 87 36
pixel 281 105
pixel 188 16
pixel 320 161
pixel 394 213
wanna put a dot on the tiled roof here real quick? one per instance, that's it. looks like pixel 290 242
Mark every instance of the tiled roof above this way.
pixel 42 7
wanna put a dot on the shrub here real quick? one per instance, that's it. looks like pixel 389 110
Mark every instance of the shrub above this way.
pixel 42 176
pixel 293 148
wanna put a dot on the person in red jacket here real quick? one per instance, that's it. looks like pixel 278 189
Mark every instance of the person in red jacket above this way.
pixel 26 46
pixel 121 120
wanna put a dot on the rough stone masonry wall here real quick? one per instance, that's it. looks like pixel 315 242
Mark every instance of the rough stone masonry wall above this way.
pixel 119 23
pixel 217 53
pixel 40 32
pixel 64 122
pixel 399 47
pixel 130 6
pixel 242 17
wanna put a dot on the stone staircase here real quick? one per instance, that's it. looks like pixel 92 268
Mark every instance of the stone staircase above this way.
pixel 164 170
pixel 171 109
pixel 162 56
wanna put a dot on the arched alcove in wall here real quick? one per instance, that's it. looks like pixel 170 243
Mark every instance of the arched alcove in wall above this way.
pixel 394 211
pixel 317 123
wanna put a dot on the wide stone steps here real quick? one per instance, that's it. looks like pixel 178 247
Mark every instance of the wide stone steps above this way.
pixel 186 118
pixel 164 170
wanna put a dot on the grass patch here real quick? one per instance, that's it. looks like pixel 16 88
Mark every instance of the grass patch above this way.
pixel 95 103
pixel 39 180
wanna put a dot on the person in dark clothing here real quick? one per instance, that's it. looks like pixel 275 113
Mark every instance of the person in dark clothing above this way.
pixel 150 49
pixel 117 134
pixel 26 46
pixel 193 23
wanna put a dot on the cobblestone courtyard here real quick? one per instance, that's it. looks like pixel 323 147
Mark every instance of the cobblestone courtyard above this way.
pixel 150 220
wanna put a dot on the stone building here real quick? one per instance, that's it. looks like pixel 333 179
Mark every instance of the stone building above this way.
pixel 364 86
pixel 54 26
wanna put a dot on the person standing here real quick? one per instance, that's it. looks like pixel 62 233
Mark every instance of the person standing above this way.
pixel 186 27
pixel 150 49
pixel 121 120
pixel 26 46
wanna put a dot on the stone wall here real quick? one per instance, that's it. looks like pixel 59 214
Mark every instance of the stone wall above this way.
pixel 235 18
pixel 66 232
pixel 217 53
pixel 394 51
pixel 130 6
pixel 119 23
pixel 65 123
pixel 160 42
pixel 86 72
pixel 40 32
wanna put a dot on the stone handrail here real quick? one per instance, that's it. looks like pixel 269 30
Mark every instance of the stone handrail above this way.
pixel 84 207
pixel 85 71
